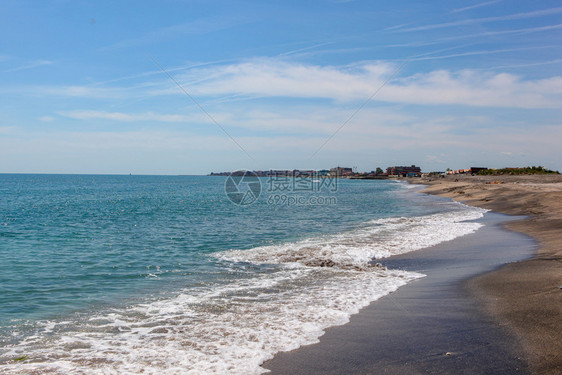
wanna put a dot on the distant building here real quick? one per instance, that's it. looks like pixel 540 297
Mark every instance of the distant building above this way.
pixel 411 171
pixel 340 171
pixel 476 170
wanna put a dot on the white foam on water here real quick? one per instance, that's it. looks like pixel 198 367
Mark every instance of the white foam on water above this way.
pixel 376 239
pixel 408 185
pixel 232 328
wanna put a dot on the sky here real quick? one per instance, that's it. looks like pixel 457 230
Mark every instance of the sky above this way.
pixel 191 87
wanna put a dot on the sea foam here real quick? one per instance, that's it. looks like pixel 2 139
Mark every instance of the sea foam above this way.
pixel 278 298
pixel 373 240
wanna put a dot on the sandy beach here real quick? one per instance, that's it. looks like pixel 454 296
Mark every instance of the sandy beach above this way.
pixel 524 296
pixel 491 302
pixel 430 326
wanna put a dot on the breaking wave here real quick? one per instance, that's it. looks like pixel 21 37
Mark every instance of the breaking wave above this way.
pixel 271 299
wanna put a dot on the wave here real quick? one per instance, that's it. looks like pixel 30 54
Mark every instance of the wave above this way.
pixel 257 311
pixel 376 239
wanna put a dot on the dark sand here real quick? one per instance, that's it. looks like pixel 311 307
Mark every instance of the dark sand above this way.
pixel 432 325
pixel 524 296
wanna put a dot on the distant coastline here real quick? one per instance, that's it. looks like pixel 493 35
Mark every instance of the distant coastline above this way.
pixel 391 172
pixel 336 172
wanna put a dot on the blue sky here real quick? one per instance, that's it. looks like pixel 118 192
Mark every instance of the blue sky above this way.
pixel 190 87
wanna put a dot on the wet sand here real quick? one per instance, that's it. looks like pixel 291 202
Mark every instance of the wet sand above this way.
pixel 431 325
pixel 491 303
pixel 525 296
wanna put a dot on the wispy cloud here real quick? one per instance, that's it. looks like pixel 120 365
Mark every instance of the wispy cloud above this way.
pixel 119 116
pixel 31 65
pixel 539 63
pixel 390 28
pixel 278 79
pixel 274 78
pixel 476 6
pixel 159 72
pixel 304 49
pixel 483 52
pixel 74 91
pixel 527 30
pixel 509 17
pixel 196 27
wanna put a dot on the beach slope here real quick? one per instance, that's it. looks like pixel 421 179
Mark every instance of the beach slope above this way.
pixel 430 326
pixel 524 296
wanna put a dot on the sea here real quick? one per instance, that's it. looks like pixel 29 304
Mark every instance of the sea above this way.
pixel 120 274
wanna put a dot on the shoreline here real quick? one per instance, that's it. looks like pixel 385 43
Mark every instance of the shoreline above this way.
pixel 516 302
pixel 524 296
pixel 430 325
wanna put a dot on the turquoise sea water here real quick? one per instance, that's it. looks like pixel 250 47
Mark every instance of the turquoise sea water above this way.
pixel 96 267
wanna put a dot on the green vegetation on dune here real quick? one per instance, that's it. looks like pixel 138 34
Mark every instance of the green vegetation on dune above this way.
pixel 517 171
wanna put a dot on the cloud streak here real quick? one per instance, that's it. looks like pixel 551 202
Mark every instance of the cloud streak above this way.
pixel 476 6
pixel 527 30
pixel 123 117
pixel 196 27
pixel 509 17
pixel 305 49
pixel 484 52
pixel 31 65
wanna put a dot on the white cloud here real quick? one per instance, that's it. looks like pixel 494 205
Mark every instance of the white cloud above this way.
pixel 269 78
pixel 276 78
pixel 281 79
